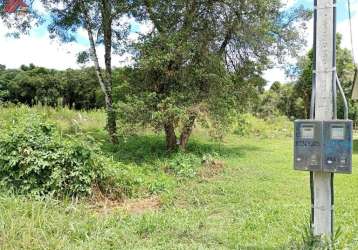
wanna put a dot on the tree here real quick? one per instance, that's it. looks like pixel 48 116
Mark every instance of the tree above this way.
pixel 204 60
pixel 303 87
pixel 80 89
pixel 280 99
pixel 345 72
pixel 100 18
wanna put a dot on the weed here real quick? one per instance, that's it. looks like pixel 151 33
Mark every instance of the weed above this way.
pixel 35 159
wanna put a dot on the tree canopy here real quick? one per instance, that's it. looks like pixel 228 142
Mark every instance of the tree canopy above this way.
pixel 205 59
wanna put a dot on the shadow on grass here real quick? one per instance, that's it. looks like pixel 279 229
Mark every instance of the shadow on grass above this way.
pixel 143 149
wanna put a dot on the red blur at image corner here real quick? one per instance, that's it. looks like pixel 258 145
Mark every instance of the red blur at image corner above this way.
pixel 11 6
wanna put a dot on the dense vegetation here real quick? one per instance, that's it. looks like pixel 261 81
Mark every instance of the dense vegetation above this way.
pixel 189 129
pixel 60 152
pixel 77 89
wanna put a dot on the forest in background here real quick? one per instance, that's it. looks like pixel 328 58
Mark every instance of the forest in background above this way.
pixel 78 89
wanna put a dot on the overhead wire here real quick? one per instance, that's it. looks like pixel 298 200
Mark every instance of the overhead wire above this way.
pixel 355 78
pixel 351 31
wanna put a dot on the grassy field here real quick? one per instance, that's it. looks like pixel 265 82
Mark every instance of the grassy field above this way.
pixel 254 201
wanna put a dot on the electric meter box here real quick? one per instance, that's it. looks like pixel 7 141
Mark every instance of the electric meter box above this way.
pixel 323 146
pixel 338 146
pixel 308 145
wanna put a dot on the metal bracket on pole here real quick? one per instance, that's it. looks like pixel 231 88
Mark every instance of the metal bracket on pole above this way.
pixel 345 102
pixel 328 6
pixel 325 71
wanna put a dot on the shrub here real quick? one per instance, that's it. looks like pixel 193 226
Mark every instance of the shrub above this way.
pixel 183 165
pixel 118 180
pixel 274 127
pixel 35 159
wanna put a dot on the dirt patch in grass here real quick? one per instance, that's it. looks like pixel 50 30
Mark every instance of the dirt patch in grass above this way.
pixel 211 169
pixel 142 206
pixel 101 204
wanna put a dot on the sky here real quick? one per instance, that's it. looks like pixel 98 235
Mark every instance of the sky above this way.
pixel 39 49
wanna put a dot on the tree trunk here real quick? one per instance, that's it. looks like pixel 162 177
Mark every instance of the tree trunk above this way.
pixel 106 10
pixel 187 130
pixel 170 137
pixel 111 119
pixel 107 37
pixel 104 83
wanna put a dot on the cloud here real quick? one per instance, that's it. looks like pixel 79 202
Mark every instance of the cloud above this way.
pixel 41 51
pixel 275 74
pixel 44 52
pixel 354 8
pixel 38 6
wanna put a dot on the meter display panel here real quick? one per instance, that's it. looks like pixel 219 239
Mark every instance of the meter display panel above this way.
pixel 307 131
pixel 337 131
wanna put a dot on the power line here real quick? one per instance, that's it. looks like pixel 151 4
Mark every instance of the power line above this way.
pixel 351 30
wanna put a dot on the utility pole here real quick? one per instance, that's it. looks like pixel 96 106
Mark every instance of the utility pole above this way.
pixel 324 109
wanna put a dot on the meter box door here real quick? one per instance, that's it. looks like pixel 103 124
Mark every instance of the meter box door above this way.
pixel 308 145
pixel 338 146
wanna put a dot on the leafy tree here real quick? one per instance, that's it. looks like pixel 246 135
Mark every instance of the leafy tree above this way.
pixel 101 20
pixel 280 99
pixel 80 89
pixel 345 71
pixel 303 87
pixel 204 60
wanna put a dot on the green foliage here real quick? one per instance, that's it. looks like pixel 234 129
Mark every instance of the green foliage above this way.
pixel 293 100
pixel 72 157
pixel 311 242
pixel 118 180
pixel 76 89
pixel 280 100
pixel 345 71
pixel 35 159
pixel 273 127
pixel 194 64
pixel 183 165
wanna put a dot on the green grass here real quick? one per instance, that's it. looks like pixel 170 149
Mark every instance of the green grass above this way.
pixel 258 201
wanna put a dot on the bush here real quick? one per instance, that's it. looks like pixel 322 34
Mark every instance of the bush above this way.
pixel 249 125
pixel 118 180
pixel 35 159
pixel 183 165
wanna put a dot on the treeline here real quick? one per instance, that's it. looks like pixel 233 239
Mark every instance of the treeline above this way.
pixel 74 88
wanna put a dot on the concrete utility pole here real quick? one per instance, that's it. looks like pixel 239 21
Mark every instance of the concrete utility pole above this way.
pixel 325 77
